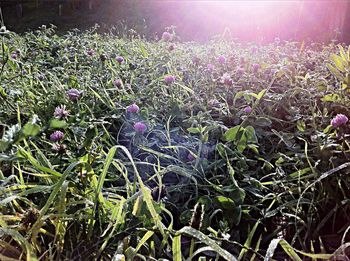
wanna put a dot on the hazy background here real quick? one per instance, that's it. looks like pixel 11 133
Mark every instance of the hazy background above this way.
pixel 259 21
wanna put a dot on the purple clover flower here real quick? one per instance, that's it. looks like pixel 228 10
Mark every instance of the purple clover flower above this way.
pixel 41 76
pixel 90 52
pixel 254 49
pixel 74 94
pixel 140 127
pixel 119 59
pixel 226 79
pixel 14 55
pixel 339 120
pixel 57 136
pixel 117 83
pixel 240 71
pixel 169 79
pixel 61 112
pixel 222 59
pixel 166 36
pixel 210 67
pixel 172 47
pixel 133 108
pixel 248 109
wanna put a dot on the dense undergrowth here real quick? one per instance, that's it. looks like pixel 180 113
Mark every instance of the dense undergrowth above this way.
pixel 119 148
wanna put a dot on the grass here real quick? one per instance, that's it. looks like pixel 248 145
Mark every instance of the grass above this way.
pixel 239 159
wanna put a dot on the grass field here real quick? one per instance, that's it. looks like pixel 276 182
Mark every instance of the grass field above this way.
pixel 114 147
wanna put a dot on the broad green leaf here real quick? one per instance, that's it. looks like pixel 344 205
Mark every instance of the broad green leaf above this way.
pixel 335 72
pixel 30 129
pixel 231 134
pixel 342 53
pixel 2 92
pixel 224 202
pixel 332 97
pixel 4 145
pixel 242 142
pixel 338 61
pixel 301 125
pixel 194 130
pixel 249 132
pixel 261 94
pixel 328 129
pixel 58 124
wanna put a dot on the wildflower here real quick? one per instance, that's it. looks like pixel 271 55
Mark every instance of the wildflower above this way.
pixel 210 67
pixel 41 76
pixel 172 47
pixel 119 59
pixel 226 79
pixel 222 59
pixel 103 57
pixel 339 120
pixel 74 94
pixel 169 79
pixel 166 36
pixel 61 112
pixel 14 55
pixel 254 49
pixel 133 108
pixel 240 71
pixel 57 136
pixel 256 67
pixel 118 82
pixel 58 148
pixel 248 109
pixel 90 52
pixel 140 127
pixel 190 157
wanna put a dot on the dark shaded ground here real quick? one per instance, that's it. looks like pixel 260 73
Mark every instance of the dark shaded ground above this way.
pixel 314 21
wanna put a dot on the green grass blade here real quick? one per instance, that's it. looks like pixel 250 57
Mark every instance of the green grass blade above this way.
pixel 208 241
pixel 177 248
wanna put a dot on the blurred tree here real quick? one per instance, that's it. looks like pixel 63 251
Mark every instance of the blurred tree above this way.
pixel 346 27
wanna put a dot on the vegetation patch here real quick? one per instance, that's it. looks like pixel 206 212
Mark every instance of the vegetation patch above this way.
pixel 114 147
